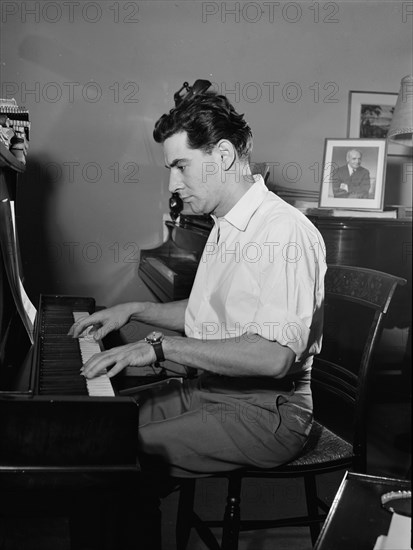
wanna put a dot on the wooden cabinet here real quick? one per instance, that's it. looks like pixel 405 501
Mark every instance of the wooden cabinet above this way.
pixel 382 244
pixel 385 245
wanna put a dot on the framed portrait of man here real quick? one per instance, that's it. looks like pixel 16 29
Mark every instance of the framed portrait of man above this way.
pixel 353 174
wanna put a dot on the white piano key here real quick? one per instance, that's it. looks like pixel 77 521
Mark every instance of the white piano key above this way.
pixel 100 386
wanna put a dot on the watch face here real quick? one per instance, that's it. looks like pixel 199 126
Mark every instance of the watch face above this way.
pixel 155 336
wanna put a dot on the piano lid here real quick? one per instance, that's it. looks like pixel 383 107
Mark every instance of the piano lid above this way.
pixel 10 255
pixel 16 328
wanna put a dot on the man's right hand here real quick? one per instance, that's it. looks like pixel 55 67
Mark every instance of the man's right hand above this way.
pixel 104 321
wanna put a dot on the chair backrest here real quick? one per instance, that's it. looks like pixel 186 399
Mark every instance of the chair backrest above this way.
pixel 356 300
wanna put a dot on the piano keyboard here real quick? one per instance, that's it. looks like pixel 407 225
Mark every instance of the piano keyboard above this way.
pixel 61 356
pixel 100 385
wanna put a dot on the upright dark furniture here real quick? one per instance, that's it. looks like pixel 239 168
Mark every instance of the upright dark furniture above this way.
pixel 58 452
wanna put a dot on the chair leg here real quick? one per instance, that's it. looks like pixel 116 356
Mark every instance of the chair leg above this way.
pixel 205 533
pixel 184 515
pixel 232 516
pixel 187 519
pixel 312 506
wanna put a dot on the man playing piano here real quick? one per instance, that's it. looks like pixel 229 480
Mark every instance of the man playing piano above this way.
pixel 253 320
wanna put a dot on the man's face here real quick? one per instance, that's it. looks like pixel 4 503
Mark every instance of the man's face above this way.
pixel 194 175
pixel 354 159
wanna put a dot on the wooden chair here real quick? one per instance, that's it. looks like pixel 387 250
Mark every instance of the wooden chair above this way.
pixel 356 301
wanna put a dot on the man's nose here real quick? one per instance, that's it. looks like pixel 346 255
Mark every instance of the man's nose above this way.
pixel 174 184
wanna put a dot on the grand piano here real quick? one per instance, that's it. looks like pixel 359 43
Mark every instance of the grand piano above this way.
pixel 169 270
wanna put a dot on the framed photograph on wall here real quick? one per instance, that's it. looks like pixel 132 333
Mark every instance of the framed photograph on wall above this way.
pixel 353 174
pixel 369 117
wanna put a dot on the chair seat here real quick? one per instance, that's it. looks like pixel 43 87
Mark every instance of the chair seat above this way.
pixel 323 448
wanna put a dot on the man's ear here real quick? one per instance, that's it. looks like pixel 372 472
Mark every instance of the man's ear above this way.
pixel 227 153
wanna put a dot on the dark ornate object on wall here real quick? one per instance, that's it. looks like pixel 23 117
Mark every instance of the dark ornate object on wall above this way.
pixel 187 92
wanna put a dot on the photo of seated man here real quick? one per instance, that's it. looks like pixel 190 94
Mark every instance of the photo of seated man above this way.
pixel 351 180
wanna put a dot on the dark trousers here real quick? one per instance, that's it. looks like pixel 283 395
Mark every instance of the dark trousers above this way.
pixel 217 423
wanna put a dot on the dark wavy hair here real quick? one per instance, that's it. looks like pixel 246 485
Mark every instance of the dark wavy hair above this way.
pixel 206 118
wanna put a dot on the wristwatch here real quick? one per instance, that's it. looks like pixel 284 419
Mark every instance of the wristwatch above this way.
pixel 155 340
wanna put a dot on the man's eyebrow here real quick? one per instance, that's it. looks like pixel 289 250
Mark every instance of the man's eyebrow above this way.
pixel 175 162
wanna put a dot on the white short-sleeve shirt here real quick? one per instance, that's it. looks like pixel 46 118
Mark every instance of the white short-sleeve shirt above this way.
pixel 261 272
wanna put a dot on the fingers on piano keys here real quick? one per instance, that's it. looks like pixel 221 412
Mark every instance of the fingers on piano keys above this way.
pixel 100 385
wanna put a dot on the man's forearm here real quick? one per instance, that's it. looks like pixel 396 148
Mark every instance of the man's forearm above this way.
pixel 246 355
pixel 170 315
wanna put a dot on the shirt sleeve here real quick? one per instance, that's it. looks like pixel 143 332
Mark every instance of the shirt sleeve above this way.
pixel 290 304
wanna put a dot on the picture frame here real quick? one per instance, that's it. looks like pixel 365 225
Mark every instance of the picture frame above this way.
pixel 369 117
pixel 364 189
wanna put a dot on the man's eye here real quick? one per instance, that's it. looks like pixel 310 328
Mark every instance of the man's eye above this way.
pixel 181 168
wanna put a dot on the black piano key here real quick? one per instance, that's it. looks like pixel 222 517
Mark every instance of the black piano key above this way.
pixel 60 357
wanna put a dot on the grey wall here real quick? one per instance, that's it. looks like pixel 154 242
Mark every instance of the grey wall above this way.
pixel 97 75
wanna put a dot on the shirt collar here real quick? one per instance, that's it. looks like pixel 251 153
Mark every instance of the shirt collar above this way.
pixel 241 213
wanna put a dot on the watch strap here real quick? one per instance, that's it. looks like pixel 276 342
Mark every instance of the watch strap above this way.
pixel 157 346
